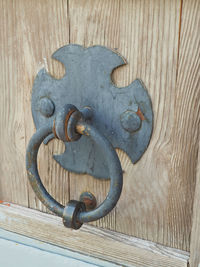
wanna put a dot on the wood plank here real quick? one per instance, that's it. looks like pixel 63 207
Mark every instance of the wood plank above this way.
pixel 154 204
pixel 195 235
pixel 12 127
pixel 102 244
pixel 30 32
pixel 187 117
pixel 90 24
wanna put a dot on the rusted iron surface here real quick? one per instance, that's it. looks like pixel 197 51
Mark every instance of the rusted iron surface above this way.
pixel 89 200
pixel 123 115
pixel 80 128
pixel 140 114
pixel 71 211
pixel 105 117
pixel 74 214
pixel 66 123
pixel 32 170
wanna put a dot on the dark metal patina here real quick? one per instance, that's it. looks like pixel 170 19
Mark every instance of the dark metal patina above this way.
pixel 74 213
pixel 123 115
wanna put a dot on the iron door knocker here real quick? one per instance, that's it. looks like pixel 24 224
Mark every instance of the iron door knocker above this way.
pixel 123 115
pixel 68 126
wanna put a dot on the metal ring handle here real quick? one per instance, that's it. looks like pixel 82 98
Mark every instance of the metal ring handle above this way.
pixel 74 213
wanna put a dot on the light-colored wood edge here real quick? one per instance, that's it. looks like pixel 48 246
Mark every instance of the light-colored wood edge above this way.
pixel 195 234
pixel 103 244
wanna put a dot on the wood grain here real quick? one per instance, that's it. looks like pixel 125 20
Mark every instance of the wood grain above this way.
pixel 195 235
pixel 13 182
pixel 160 41
pixel 156 203
pixel 147 35
pixel 103 244
pixel 29 35
pixel 186 124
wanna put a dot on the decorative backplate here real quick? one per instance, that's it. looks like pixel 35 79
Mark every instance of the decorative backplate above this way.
pixel 123 115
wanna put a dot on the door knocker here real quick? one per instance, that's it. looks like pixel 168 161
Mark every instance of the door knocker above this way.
pixel 92 117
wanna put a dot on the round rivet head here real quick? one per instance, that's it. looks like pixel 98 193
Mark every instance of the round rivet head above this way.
pixel 130 121
pixel 89 200
pixel 46 107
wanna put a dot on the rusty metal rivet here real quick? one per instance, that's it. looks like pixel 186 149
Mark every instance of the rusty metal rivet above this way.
pixel 46 107
pixel 89 200
pixel 130 121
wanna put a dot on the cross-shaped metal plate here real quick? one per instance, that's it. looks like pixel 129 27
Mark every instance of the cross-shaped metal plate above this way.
pixel 123 115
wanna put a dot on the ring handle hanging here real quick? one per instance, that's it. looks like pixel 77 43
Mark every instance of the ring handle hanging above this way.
pixel 68 126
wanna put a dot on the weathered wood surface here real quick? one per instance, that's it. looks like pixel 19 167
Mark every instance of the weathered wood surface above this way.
pixel 188 92
pixel 195 235
pixel 160 41
pixel 25 28
pixel 102 244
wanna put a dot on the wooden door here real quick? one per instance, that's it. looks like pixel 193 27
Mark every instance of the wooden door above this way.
pixel 160 40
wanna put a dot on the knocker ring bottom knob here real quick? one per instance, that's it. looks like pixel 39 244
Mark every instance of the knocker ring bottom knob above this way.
pixel 68 126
